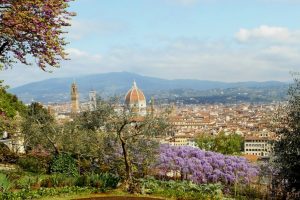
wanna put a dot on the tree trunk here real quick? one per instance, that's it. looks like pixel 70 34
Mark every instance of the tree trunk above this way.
pixel 126 162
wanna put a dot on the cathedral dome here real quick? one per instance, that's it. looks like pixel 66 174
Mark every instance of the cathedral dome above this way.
pixel 135 97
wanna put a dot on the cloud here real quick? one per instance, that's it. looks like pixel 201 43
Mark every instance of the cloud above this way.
pixel 85 28
pixel 192 58
pixel 184 58
pixel 268 34
pixel 282 56
pixel 82 55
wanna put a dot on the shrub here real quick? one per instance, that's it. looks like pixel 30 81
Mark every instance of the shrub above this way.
pixel 4 183
pixel 102 181
pixel 44 192
pixel 7 156
pixel 85 165
pixel 111 180
pixel 27 182
pixel 249 192
pixel 65 164
pixel 58 180
pixel 181 189
pixel 35 164
pixel 82 181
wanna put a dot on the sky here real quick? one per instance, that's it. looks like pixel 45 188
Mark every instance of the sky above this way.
pixel 222 40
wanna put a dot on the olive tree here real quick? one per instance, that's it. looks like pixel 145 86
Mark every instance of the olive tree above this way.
pixel 129 128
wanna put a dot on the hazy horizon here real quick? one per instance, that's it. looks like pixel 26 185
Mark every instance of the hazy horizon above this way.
pixel 78 77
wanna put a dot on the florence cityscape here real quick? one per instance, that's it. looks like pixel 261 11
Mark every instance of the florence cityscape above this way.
pixel 149 99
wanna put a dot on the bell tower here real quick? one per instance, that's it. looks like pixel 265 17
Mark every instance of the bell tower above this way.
pixel 74 99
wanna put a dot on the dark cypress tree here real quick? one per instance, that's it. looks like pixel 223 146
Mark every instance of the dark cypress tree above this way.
pixel 287 147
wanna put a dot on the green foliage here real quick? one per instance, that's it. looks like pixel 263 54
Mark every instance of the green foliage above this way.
pixel 206 142
pixel 58 180
pixel 231 144
pixel 44 192
pixel 39 126
pixel 9 107
pixel 65 164
pixel 181 189
pixel 19 180
pixel 7 156
pixel 126 127
pixel 245 192
pixel 95 120
pixel 27 182
pixel 102 181
pixel 5 184
pixel 34 164
pixel 287 149
pixel 36 112
pixel 9 103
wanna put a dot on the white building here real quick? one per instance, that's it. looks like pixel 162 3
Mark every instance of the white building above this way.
pixel 15 144
pixel 258 145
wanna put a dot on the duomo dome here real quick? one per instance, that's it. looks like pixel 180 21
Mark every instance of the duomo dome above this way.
pixel 136 100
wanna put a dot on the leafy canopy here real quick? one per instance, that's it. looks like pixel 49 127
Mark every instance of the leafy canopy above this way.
pixel 33 28
pixel 9 107
pixel 287 148
pixel 231 144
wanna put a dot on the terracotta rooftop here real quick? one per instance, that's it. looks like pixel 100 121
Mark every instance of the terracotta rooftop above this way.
pixel 134 95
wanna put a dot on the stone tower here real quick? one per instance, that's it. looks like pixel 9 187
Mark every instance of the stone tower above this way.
pixel 74 99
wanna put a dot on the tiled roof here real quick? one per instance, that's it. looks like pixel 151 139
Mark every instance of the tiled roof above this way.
pixel 134 95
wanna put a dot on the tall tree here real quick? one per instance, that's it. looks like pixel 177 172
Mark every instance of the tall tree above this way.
pixel 287 147
pixel 128 127
pixel 40 129
pixel 33 28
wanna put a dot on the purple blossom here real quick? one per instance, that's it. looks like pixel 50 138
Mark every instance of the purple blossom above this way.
pixel 204 166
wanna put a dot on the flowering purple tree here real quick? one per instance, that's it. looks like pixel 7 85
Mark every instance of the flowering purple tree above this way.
pixel 142 153
pixel 33 28
pixel 200 166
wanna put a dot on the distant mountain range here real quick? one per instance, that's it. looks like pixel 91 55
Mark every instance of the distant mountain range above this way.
pixel 118 83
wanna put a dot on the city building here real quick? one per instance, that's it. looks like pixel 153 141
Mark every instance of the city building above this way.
pixel 252 122
pixel 259 145
pixel 181 140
